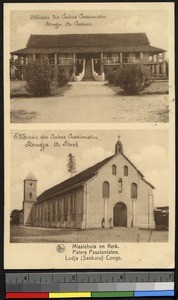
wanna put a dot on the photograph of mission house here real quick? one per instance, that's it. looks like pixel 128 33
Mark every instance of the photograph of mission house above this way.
pixel 111 193
pixel 89 56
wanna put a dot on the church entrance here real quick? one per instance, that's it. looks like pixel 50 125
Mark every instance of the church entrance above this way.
pixel 120 214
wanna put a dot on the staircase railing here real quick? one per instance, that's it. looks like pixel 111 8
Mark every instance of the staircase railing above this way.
pixel 80 76
pixel 97 76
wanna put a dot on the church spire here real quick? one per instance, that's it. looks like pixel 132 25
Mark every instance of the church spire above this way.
pixel 118 146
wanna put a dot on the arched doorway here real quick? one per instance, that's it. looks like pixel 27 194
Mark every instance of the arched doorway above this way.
pixel 120 214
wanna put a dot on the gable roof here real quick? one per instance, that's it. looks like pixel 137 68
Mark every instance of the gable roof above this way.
pixel 87 43
pixel 81 178
pixel 75 181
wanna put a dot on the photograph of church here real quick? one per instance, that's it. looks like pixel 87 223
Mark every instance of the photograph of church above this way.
pixel 89 56
pixel 111 193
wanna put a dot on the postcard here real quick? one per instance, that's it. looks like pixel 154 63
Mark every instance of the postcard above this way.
pixel 90 195
pixel 89 135
pixel 85 59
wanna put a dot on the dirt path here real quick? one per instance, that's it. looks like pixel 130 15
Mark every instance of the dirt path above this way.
pixel 93 102
pixel 23 234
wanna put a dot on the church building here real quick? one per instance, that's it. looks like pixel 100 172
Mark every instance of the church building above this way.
pixel 112 192
pixel 89 56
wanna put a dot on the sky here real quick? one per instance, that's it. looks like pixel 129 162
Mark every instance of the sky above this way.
pixel 153 22
pixel 147 149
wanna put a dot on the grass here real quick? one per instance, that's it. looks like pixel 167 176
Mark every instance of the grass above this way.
pixel 17 89
pixel 22 116
pixel 157 87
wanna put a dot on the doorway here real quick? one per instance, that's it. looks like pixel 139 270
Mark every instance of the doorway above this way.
pixel 120 214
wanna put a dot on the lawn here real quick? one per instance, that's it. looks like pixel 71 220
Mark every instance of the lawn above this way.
pixel 158 87
pixel 17 89
pixel 93 102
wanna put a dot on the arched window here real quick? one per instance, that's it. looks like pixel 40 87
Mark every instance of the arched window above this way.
pixel 125 171
pixel 120 185
pixel 30 195
pixel 105 189
pixel 114 169
pixel 134 191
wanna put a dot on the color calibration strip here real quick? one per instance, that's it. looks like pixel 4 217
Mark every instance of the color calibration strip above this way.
pixel 90 295
pixel 89 285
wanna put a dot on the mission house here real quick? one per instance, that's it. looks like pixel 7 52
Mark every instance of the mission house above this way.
pixel 89 56
pixel 112 192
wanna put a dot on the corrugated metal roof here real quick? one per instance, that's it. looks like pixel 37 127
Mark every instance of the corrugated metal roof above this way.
pixel 78 179
pixel 88 43
pixel 79 40
pixel 91 49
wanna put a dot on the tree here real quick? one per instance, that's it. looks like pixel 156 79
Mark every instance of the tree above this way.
pixel 15 216
pixel 71 165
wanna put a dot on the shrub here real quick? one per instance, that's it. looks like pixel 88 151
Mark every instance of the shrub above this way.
pixel 62 79
pixel 41 79
pixel 133 79
pixel 113 78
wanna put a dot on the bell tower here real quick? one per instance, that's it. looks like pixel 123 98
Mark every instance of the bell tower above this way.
pixel 30 195
pixel 118 146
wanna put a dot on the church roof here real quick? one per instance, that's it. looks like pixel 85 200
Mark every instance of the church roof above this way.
pixel 82 43
pixel 75 181
pixel 81 178
pixel 30 176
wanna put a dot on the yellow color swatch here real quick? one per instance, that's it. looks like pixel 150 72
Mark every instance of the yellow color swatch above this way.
pixel 70 295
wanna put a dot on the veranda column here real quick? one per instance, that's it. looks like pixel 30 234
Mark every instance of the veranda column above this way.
pixel 121 57
pixel 102 67
pixel 74 64
pixel 33 55
pixel 141 55
pixel 157 65
pixel 55 58
pixel 55 63
pixel 152 69
pixel 163 65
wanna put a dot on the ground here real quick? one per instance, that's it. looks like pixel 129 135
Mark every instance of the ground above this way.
pixel 22 234
pixel 90 101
